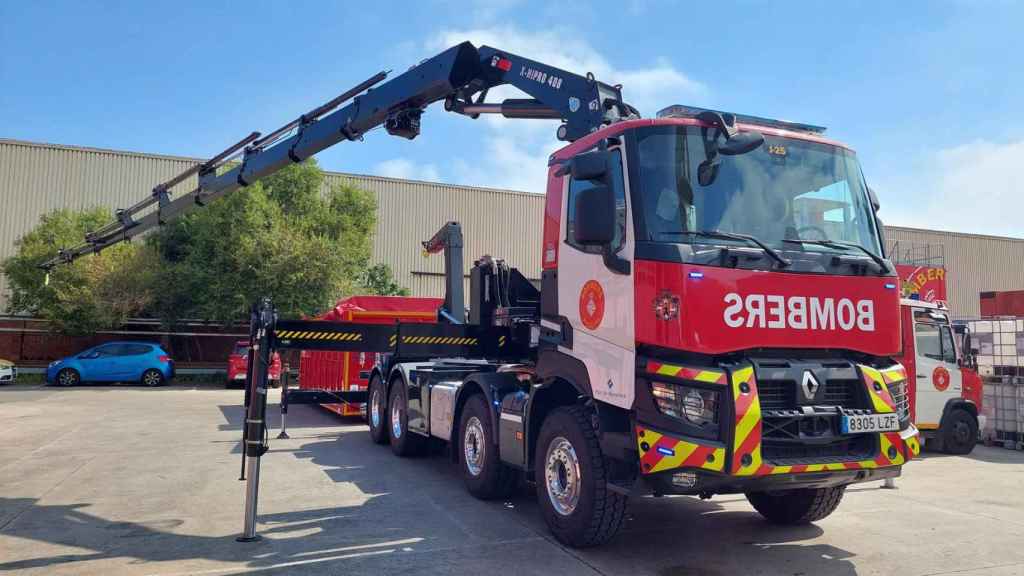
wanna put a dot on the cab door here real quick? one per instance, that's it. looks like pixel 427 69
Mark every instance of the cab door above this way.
pixel 938 377
pixel 595 291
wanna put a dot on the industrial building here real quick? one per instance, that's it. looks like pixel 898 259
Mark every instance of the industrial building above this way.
pixel 36 178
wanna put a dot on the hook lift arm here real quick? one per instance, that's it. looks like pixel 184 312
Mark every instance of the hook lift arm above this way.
pixel 460 76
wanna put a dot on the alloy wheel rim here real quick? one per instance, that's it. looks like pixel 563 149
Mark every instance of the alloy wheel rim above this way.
pixel 67 378
pixel 562 476
pixel 474 446
pixel 375 408
pixel 152 378
pixel 396 420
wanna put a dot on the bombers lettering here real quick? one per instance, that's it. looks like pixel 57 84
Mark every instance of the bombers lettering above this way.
pixel 798 312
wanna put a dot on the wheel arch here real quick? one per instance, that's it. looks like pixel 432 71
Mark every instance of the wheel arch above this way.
pixel 958 404
pixel 489 384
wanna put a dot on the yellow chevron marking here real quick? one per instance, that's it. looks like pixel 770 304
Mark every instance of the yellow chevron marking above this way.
pixel 391 341
pixel 708 376
pixel 668 370
pixel 501 341
pixel 749 420
pixel 282 334
pixel 879 404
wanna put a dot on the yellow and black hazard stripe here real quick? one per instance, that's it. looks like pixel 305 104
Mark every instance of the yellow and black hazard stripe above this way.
pixel 319 335
pixel 444 340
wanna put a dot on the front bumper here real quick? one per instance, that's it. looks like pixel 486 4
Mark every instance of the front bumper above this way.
pixel 734 462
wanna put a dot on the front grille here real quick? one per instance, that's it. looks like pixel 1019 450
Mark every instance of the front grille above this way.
pixel 843 449
pixel 779 384
pixel 775 394
pixel 797 429
pixel 841 393
pixel 899 396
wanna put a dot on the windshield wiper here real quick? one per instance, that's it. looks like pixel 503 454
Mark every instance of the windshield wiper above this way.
pixel 742 238
pixel 843 246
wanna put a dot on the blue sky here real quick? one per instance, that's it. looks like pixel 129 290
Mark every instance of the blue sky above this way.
pixel 931 94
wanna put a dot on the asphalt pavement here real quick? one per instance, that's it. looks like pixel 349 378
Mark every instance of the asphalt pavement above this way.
pixel 110 480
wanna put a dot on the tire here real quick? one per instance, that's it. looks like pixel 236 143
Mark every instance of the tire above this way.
pixel 378 431
pixel 152 378
pixel 479 462
pixel 68 377
pixel 796 507
pixel 594 515
pixel 959 432
pixel 403 443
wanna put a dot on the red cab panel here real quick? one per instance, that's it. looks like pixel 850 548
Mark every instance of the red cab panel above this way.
pixel 714 310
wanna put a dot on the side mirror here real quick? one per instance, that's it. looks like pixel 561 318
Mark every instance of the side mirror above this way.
pixel 873 198
pixel 589 166
pixel 741 143
pixel 595 217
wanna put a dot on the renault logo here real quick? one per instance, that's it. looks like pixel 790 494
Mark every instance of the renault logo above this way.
pixel 810 385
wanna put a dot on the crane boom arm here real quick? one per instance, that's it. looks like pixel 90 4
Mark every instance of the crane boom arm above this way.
pixel 460 76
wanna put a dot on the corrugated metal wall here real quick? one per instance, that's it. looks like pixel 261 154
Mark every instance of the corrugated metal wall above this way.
pixel 36 178
pixel 974 263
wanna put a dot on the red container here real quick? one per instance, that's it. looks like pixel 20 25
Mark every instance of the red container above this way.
pixel 351 370
pixel 1005 303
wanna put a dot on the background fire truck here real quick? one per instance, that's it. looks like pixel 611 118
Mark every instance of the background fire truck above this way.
pixel 943 392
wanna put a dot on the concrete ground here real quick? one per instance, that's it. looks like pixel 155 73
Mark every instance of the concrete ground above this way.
pixel 106 480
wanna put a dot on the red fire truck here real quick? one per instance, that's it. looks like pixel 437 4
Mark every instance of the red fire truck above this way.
pixel 943 396
pixel 715 315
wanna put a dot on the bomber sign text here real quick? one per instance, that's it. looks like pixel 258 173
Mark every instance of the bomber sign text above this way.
pixel 798 312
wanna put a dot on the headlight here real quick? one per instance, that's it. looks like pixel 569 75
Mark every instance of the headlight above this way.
pixel 697 406
pixel 54 363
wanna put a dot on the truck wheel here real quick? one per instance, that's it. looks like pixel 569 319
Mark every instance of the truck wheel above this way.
pixel 377 411
pixel 795 507
pixel 403 443
pixel 959 432
pixel 68 377
pixel 572 477
pixel 482 470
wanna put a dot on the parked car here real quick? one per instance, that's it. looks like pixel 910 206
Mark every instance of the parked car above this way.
pixel 8 371
pixel 143 362
pixel 238 362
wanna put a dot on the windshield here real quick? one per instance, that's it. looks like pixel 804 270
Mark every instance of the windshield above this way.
pixel 787 189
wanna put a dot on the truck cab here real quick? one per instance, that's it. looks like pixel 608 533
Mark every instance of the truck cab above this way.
pixel 944 397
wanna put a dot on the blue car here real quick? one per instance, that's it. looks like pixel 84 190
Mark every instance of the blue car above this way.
pixel 143 362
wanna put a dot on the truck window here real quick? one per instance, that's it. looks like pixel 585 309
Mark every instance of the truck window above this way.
pixel 948 348
pixel 928 341
pixel 618 187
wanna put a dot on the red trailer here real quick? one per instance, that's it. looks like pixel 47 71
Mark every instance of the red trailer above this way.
pixel 351 370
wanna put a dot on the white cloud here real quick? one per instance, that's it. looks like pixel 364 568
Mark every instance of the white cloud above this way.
pixel 407 170
pixel 514 152
pixel 975 187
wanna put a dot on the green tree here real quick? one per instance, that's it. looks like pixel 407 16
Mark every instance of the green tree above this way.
pixel 378 279
pixel 283 237
pixel 95 292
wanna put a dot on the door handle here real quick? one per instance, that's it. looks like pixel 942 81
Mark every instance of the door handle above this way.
pixel 920 377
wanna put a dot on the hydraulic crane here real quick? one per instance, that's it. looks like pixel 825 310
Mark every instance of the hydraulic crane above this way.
pixel 460 76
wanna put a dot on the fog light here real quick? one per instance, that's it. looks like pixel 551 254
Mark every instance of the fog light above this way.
pixel 684 479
